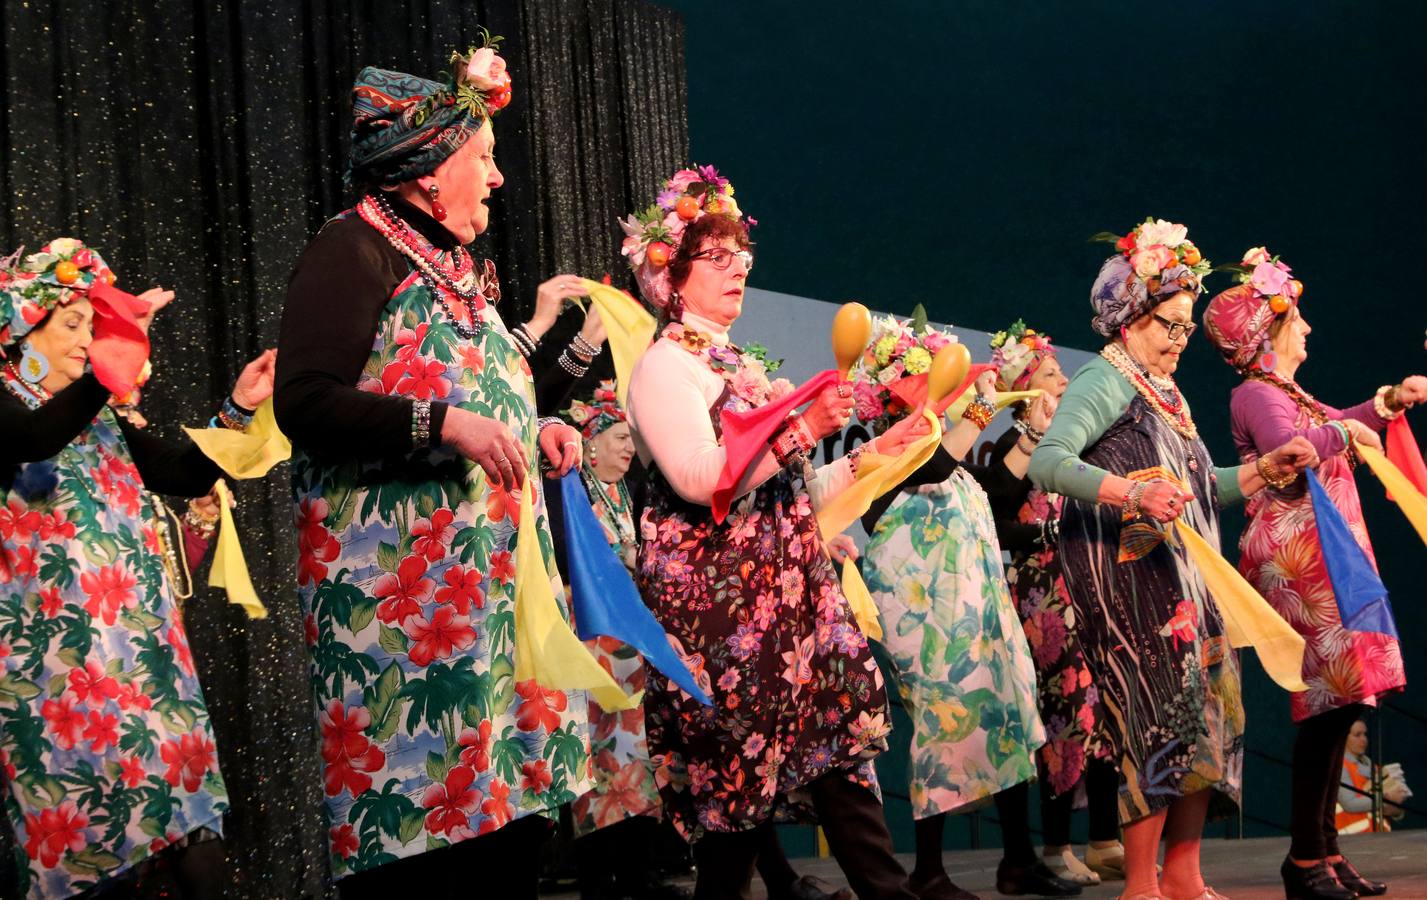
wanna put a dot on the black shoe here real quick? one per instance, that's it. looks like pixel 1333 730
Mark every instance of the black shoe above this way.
pixel 1316 882
pixel 1036 878
pixel 810 887
pixel 939 888
pixel 1350 879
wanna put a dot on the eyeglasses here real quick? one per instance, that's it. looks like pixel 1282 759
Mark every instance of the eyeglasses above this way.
pixel 722 257
pixel 1176 329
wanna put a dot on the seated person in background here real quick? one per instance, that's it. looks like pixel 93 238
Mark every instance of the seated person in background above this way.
pixel 1355 793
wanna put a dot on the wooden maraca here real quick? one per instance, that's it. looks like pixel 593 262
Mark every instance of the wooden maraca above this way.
pixel 851 329
pixel 948 370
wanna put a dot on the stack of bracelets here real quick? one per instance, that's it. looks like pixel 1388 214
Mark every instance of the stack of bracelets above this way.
pixel 980 411
pixel 231 416
pixel 1131 505
pixel 794 442
pixel 577 357
pixel 420 423
pixel 1029 435
pixel 524 341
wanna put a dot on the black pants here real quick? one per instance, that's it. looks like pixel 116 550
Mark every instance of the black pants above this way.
pixel 1102 798
pixel 504 864
pixel 856 830
pixel 1317 769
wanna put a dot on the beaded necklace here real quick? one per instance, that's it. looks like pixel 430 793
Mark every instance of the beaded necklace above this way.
pixel 619 505
pixel 16 384
pixel 726 361
pixel 1161 394
pixel 440 276
pixel 1304 400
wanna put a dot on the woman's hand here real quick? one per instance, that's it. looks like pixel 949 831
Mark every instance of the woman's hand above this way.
pixel 487 442
pixel 1362 434
pixel 1041 412
pixel 157 298
pixel 1295 456
pixel 829 411
pixel 986 385
pixel 207 506
pixel 561 445
pixel 895 440
pixel 1164 501
pixel 1413 390
pixel 255 382
pixel 593 330
pixel 550 299
pixel 841 548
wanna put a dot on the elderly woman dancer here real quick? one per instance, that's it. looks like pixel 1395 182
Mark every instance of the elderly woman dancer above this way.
pixel 753 602
pixel 1125 453
pixel 104 735
pixel 412 416
pixel 1259 328
pixel 1027 522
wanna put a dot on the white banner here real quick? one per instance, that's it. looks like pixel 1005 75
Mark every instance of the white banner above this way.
pixel 798 331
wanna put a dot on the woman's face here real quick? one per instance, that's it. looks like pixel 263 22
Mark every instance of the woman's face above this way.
pixel 714 293
pixel 1358 738
pixel 612 450
pixel 1290 345
pixel 1148 337
pixel 63 338
pixel 1049 378
pixel 466 179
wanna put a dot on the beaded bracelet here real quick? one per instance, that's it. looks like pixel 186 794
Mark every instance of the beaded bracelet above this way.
pixel 584 347
pixel 1271 477
pixel 1035 434
pixel 1342 430
pixel 1131 504
pixel 232 416
pixel 854 456
pixel 980 412
pixel 793 442
pixel 569 365
pixel 523 341
pixel 579 355
pixel 201 525
pixel 1385 402
pixel 420 423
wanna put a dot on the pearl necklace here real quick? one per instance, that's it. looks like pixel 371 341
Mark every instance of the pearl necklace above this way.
pixel 439 277
pixel 1161 394
pixel 16 384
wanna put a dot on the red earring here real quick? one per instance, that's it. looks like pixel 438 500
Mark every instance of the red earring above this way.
pixel 438 212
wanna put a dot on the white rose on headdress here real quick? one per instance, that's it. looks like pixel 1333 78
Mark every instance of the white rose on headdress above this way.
pixel 1151 260
pixel 1161 232
pixel 1255 255
pixel 485 69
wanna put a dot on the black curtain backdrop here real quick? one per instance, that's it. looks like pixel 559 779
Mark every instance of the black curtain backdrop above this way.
pixel 199 146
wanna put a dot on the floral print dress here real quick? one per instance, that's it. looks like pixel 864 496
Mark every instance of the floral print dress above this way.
pixel 619 749
pixel 756 610
pixel 105 740
pixel 933 567
pixel 406 575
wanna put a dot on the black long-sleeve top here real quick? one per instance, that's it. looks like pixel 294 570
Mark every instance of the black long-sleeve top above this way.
pixel 167 467
pixel 335 298
pixel 995 479
pixel 1007 494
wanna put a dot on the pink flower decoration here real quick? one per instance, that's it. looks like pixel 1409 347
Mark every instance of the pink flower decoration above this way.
pixel 1269 278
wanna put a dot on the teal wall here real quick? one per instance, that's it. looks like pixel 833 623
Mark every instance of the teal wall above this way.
pixel 959 154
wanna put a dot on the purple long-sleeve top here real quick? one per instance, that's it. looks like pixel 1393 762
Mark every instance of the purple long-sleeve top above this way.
pixel 1265 418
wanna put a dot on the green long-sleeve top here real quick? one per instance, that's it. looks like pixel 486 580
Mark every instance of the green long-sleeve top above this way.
pixel 1097 396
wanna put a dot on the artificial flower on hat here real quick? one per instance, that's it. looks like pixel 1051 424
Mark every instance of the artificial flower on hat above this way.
pixel 1016 353
pixel 897 349
pixel 1239 319
pixel 1156 260
pixel 34 286
pixel 600 412
pixel 652 236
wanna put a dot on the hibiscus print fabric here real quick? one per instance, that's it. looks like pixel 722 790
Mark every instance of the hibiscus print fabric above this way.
pixel 619 748
pixel 1280 556
pixel 406 575
pixel 1172 717
pixel 755 608
pixel 933 567
pixel 105 740
pixel 1069 700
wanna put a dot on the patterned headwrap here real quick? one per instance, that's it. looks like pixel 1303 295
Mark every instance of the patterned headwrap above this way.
pixel 32 288
pixel 1239 319
pixel 404 127
pixel 651 237
pixel 1016 353
pixel 600 413
pixel 1155 262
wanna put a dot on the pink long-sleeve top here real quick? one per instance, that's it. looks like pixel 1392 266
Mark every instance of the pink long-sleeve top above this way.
pixel 1264 418
pixel 670 394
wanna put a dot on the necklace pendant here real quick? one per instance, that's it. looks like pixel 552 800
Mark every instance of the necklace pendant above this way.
pixel 1193 463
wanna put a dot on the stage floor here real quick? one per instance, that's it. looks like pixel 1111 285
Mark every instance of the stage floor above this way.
pixel 1240 870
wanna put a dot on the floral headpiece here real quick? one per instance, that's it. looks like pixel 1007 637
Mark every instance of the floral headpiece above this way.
pixel 651 237
pixel 601 412
pixel 62 270
pixel 1239 319
pixel 1016 353
pixel 897 350
pixel 404 126
pixel 1156 261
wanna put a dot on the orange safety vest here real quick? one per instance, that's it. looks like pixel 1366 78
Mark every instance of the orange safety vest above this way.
pixel 1355 822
